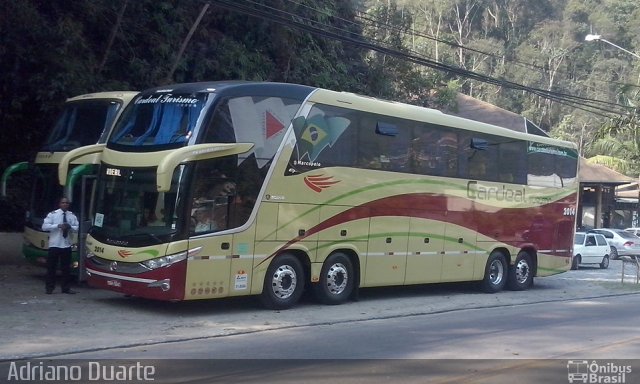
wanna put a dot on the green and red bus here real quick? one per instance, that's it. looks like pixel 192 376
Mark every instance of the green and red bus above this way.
pixel 218 189
pixel 84 120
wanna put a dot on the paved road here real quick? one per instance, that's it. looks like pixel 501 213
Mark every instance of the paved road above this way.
pixel 39 325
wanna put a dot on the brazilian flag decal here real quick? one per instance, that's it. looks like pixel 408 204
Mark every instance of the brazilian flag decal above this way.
pixel 318 133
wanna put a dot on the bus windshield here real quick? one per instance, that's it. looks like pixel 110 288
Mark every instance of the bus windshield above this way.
pixel 80 123
pixel 130 209
pixel 165 119
pixel 45 190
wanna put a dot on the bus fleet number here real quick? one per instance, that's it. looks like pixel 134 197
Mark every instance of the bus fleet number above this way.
pixel 570 211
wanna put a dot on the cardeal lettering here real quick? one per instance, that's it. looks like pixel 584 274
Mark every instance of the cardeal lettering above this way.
pixel 477 191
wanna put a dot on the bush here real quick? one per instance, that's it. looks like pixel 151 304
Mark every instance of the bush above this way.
pixel 12 217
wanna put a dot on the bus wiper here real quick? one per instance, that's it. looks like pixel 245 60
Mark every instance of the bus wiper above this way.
pixel 151 235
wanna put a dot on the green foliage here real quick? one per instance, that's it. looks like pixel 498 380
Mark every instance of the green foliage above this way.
pixel 56 49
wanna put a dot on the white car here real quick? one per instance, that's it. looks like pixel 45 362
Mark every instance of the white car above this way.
pixel 590 248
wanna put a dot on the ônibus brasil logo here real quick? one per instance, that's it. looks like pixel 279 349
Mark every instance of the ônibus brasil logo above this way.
pixel 583 371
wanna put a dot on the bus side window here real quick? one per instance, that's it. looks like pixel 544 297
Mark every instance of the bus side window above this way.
pixel 482 159
pixel 383 143
pixel 220 127
pixel 448 148
pixel 368 149
pixel 424 151
pixel 512 162
pixel 542 169
pixel 327 137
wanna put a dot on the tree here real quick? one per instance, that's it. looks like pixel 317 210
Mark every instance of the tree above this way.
pixel 617 144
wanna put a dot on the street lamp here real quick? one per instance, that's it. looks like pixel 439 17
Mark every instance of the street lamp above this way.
pixel 591 37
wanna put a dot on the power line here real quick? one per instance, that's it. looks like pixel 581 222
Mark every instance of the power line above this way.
pixel 296 21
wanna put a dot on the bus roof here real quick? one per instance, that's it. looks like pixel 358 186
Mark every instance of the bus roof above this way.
pixel 352 100
pixel 125 96
pixel 237 87
pixel 428 115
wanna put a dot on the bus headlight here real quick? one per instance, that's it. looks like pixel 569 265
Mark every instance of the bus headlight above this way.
pixel 164 261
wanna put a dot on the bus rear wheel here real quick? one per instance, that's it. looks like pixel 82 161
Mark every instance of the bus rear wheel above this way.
pixel 495 273
pixel 521 273
pixel 336 280
pixel 283 283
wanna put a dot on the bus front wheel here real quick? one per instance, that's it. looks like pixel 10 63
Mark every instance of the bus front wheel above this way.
pixel 495 273
pixel 521 273
pixel 336 280
pixel 283 283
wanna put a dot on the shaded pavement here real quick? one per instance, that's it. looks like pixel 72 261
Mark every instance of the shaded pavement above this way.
pixel 38 325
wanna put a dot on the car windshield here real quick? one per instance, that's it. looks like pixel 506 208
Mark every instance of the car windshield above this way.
pixel 579 239
pixel 626 235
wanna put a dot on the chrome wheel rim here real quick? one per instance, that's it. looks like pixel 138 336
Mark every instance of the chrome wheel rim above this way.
pixel 522 271
pixel 337 278
pixel 284 282
pixel 496 272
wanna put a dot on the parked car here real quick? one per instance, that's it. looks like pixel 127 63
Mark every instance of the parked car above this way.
pixel 590 248
pixel 635 231
pixel 622 243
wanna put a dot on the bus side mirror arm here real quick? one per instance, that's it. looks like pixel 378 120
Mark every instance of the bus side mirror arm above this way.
pixel 194 153
pixel 63 167
pixel 18 167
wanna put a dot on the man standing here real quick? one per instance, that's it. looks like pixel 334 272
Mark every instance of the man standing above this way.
pixel 60 223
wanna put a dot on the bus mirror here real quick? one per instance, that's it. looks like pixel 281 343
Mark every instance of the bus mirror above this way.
pixel 194 153
pixel 386 129
pixel 479 144
pixel 298 123
pixel 19 167
pixel 63 166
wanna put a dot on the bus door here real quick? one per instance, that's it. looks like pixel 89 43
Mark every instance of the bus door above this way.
pixel 209 270
pixel 424 258
pixel 387 254
pixel 84 206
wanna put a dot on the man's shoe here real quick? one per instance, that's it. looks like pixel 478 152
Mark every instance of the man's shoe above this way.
pixel 69 292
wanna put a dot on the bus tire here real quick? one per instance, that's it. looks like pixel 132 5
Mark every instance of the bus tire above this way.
pixel 520 275
pixel 337 280
pixel 283 283
pixel 495 273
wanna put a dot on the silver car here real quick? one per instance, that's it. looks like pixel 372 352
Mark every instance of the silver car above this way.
pixel 622 243
pixel 635 231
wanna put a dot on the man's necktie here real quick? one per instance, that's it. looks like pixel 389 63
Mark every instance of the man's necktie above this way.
pixel 65 230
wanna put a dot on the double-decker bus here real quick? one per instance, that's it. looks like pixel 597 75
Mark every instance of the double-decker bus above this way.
pixel 210 190
pixel 84 120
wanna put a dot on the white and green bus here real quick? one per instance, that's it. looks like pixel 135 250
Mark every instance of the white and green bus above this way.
pixel 211 190
pixel 84 120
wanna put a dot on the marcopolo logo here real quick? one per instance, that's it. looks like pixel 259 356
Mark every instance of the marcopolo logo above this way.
pixel 583 371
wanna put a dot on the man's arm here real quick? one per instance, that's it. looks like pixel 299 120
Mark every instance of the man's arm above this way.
pixel 47 224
